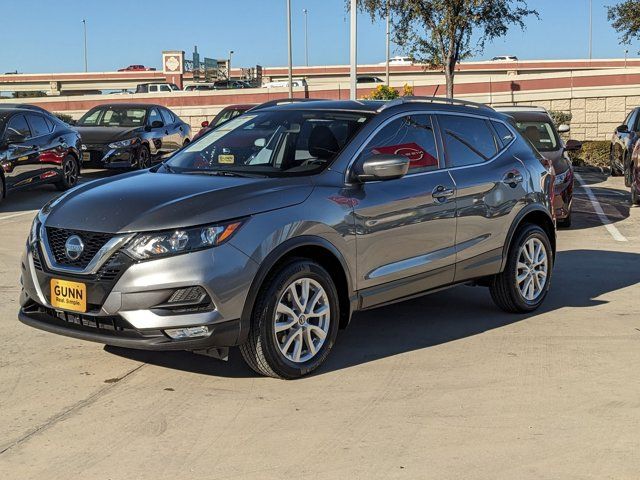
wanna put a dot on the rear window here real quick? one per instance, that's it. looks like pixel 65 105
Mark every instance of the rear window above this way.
pixel 468 140
pixel 541 134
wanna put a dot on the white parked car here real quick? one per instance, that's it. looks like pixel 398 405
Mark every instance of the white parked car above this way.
pixel 285 83
pixel 505 58
pixel 399 60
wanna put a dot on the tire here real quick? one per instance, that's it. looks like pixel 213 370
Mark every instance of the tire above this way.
pixel 144 158
pixel 272 353
pixel 70 173
pixel 505 288
pixel 635 197
pixel 615 171
pixel 565 222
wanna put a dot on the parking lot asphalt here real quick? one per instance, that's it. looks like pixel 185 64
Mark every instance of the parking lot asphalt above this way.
pixel 445 386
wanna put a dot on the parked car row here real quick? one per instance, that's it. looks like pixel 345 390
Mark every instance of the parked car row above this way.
pixel 624 153
pixel 36 147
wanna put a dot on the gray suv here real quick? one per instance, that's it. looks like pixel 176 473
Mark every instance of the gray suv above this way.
pixel 271 230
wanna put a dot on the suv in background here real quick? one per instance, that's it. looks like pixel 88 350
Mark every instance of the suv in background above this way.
pixel 271 231
pixel 623 143
pixel 157 88
pixel 537 126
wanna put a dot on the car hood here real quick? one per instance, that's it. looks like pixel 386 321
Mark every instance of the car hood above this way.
pixel 104 135
pixel 148 201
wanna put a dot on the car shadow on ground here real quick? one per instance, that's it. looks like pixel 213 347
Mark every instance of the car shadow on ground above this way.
pixel 435 319
pixel 35 198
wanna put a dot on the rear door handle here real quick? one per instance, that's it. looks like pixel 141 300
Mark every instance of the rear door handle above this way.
pixel 442 193
pixel 513 179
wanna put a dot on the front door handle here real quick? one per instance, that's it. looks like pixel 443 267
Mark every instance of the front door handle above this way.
pixel 442 193
pixel 513 179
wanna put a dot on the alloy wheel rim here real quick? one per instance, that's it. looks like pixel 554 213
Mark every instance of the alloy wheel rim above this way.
pixel 144 158
pixel 301 320
pixel 70 172
pixel 532 269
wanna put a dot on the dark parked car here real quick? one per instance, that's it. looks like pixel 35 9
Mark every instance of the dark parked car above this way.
pixel 129 135
pixel 269 232
pixel 36 148
pixel 136 68
pixel 623 142
pixel 633 179
pixel 369 79
pixel 223 116
pixel 537 126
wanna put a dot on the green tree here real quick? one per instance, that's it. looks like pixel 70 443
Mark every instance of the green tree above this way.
pixel 625 18
pixel 440 32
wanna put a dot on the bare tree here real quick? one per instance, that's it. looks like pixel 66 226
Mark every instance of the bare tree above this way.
pixel 440 32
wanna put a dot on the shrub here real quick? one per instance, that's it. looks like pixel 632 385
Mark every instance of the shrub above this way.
pixel 593 153
pixel 560 118
pixel 407 90
pixel 64 117
pixel 383 92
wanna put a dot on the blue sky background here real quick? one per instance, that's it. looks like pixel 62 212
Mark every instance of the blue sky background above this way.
pixel 46 35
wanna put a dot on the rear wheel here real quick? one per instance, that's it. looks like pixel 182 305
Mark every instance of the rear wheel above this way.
pixel 635 197
pixel 294 322
pixel 616 154
pixel 525 281
pixel 70 173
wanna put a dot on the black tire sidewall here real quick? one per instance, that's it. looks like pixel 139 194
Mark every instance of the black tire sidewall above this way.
pixel 63 184
pixel 528 232
pixel 263 317
pixel 139 165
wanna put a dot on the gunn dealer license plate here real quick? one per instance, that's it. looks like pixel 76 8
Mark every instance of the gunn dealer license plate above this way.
pixel 68 295
pixel 86 156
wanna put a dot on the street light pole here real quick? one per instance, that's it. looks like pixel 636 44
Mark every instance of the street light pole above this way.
pixel 86 62
pixel 388 45
pixel 590 29
pixel 306 37
pixel 289 48
pixel 229 65
pixel 353 80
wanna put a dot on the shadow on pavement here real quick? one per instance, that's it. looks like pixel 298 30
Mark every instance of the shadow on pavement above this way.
pixel 435 319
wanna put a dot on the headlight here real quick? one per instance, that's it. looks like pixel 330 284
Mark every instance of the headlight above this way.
pixel 35 230
pixel 123 143
pixel 563 177
pixel 173 242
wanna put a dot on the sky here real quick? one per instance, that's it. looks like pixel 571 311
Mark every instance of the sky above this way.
pixel 47 36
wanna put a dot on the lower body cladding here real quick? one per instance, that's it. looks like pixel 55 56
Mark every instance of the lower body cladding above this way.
pixel 190 302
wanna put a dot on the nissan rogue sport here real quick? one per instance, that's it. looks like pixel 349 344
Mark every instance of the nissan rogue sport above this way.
pixel 268 232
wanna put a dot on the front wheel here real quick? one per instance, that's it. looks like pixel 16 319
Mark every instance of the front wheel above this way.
pixel 144 158
pixel 70 173
pixel 294 322
pixel 525 281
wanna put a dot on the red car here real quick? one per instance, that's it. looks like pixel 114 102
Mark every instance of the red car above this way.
pixel 137 68
pixel 226 114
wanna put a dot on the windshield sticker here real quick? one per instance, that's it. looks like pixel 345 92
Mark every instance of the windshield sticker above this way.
pixel 227 159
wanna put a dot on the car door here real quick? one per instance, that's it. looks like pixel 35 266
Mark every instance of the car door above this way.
pixel 490 185
pixel 51 146
pixel 20 163
pixel 405 228
pixel 159 135
pixel 175 129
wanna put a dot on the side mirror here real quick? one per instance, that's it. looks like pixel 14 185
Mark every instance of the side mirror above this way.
pixel 205 124
pixel 381 167
pixel 157 124
pixel 573 146
pixel 564 128
pixel 15 137
pixel 622 129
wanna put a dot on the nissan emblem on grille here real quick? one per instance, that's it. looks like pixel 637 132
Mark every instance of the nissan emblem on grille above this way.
pixel 73 247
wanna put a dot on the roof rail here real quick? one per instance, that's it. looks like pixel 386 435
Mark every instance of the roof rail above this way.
pixel 284 101
pixel 447 101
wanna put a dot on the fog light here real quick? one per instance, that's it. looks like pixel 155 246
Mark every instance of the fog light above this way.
pixel 188 332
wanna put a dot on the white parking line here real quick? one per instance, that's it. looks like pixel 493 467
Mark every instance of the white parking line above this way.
pixel 615 233
pixel 13 215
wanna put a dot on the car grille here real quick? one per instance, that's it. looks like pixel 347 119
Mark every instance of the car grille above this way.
pixel 93 242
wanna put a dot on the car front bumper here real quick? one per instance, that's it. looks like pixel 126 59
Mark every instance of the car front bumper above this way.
pixel 134 309
pixel 105 157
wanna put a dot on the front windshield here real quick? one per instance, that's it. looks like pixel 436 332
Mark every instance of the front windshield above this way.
pixel 113 116
pixel 541 134
pixel 271 143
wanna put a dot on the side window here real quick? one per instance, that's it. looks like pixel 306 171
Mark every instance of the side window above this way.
pixel 38 125
pixel 167 116
pixel 18 124
pixel 504 134
pixel 50 124
pixel 165 88
pixel 468 140
pixel 630 119
pixel 411 136
pixel 154 116
pixel 635 120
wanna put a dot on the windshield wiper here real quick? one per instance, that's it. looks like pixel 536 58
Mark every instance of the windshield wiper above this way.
pixel 222 173
pixel 168 168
